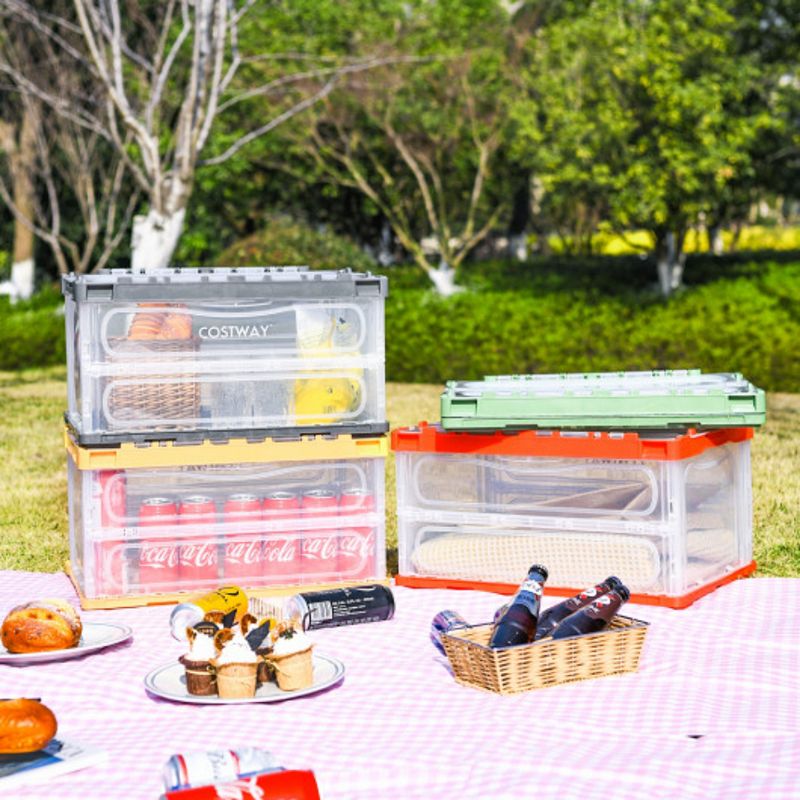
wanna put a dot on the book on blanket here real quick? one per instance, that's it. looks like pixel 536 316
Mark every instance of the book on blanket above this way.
pixel 56 759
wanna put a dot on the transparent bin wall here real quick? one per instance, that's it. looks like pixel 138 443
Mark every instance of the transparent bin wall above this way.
pixel 144 531
pixel 691 524
pixel 206 365
pixel 719 517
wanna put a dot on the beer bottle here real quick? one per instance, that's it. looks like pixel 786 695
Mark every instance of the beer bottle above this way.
pixel 594 617
pixel 444 622
pixel 550 617
pixel 518 624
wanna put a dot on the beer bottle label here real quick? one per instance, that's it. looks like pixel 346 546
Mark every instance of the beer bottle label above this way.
pixel 529 595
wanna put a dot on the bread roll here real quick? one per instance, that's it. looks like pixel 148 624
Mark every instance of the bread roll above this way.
pixel 40 626
pixel 25 726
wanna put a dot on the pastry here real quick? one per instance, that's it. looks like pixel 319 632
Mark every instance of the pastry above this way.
pixel 25 726
pixel 41 625
pixel 235 666
pixel 291 659
pixel 200 677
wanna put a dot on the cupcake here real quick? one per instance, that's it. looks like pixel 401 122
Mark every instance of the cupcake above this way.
pixel 235 665
pixel 257 635
pixel 200 679
pixel 291 660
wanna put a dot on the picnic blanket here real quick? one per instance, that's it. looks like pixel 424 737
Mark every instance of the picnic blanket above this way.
pixel 714 710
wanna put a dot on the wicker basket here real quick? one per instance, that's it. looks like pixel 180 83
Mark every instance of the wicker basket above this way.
pixel 545 663
pixel 172 398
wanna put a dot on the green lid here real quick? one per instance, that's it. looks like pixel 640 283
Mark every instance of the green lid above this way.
pixel 607 400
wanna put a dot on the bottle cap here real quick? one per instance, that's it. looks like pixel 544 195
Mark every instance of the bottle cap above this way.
pixel 623 591
pixel 613 581
pixel 540 569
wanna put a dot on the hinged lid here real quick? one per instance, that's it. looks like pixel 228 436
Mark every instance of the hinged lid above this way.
pixel 222 283
pixel 681 399
pixel 425 438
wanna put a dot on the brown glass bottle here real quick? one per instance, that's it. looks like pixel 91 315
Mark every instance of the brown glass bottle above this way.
pixel 518 624
pixel 594 617
pixel 550 617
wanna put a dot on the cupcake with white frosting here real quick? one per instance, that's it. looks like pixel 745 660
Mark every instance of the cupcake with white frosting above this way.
pixel 200 678
pixel 291 659
pixel 235 665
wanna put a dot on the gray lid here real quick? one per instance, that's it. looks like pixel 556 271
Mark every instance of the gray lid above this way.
pixel 221 283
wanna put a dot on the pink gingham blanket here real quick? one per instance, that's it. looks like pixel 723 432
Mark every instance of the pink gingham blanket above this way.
pixel 726 670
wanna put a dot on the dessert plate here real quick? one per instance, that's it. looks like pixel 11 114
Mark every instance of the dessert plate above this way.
pixel 95 636
pixel 169 681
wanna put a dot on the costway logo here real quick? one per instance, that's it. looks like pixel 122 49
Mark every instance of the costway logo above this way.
pixel 233 331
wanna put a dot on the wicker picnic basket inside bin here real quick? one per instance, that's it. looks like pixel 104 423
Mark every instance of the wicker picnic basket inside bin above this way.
pixel 548 662
pixel 142 399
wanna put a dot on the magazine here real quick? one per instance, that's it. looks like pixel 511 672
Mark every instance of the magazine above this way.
pixel 57 758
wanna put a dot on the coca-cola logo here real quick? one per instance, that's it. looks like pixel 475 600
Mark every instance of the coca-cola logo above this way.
pixel 320 548
pixel 159 556
pixel 283 551
pixel 243 552
pixel 198 555
pixel 357 545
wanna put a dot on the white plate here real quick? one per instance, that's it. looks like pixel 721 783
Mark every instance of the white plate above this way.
pixel 95 636
pixel 169 681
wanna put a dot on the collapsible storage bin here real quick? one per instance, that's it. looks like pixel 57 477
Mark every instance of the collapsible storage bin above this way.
pixel 148 523
pixel 184 354
pixel 663 399
pixel 669 515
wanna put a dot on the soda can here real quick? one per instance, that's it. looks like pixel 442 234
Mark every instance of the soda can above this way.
pixel 200 768
pixel 224 599
pixel 242 519
pixel 198 554
pixel 112 497
pixel 288 784
pixel 159 558
pixel 320 546
pixel 357 552
pixel 333 608
pixel 444 622
pixel 281 546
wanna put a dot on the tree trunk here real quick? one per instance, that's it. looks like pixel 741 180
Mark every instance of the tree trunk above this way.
pixel 22 155
pixel 520 218
pixel 444 279
pixel 155 237
pixel 670 261
pixel 715 244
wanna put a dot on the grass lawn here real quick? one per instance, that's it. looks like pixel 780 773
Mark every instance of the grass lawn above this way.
pixel 33 500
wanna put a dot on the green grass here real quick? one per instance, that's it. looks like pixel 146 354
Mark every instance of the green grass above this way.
pixel 33 500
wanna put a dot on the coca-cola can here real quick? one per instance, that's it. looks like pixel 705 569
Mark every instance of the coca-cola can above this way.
pixel 289 784
pixel 159 560
pixel 357 552
pixel 111 553
pixel 281 546
pixel 242 519
pixel 198 553
pixel 112 497
pixel 320 546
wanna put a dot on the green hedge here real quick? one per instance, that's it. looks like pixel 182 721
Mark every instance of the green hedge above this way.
pixel 748 324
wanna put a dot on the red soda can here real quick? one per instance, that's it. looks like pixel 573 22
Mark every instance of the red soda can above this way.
pixel 241 517
pixel 111 556
pixel 281 547
pixel 320 547
pixel 198 555
pixel 357 551
pixel 288 784
pixel 159 561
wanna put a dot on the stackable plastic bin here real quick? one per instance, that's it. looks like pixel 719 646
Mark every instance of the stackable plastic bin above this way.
pixel 188 354
pixel 148 523
pixel 670 514
pixel 658 400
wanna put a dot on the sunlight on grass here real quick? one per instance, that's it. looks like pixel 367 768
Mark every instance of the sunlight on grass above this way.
pixel 33 503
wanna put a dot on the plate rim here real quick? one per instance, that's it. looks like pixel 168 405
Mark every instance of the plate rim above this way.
pixel 124 632
pixel 212 700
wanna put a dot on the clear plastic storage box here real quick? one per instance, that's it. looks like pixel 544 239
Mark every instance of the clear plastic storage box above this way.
pixel 671 515
pixel 184 353
pixel 167 519
pixel 661 399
